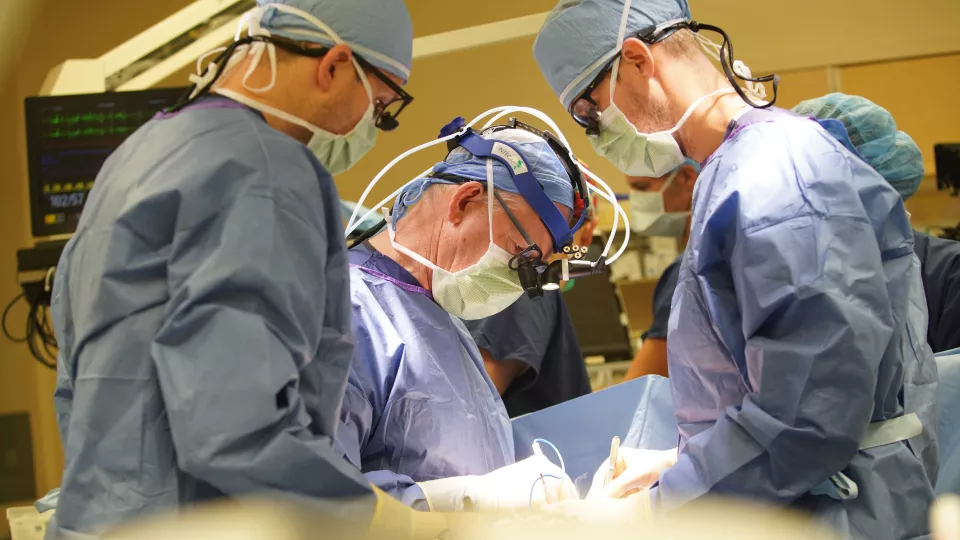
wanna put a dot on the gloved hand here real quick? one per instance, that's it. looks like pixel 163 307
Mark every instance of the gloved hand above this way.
pixel 505 489
pixel 640 470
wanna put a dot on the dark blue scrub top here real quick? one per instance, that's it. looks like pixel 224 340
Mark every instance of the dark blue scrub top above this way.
pixel 940 271
pixel 538 333
pixel 662 297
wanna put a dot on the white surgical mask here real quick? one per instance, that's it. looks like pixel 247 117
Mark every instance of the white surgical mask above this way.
pixel 337 153
pixel 478 291
pixel 635 153
pixel 648 216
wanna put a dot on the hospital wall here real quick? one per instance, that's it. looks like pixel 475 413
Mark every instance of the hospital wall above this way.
pixel 914 73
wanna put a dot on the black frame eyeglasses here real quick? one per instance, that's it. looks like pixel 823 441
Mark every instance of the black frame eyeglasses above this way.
pixel 585 111
pixel 385 113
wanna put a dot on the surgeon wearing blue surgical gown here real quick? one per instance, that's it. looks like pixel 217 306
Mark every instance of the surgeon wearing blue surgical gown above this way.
pixel 202 306
pixel 797 359
pixel 421 417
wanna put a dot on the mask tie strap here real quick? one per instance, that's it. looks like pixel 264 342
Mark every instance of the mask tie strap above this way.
pixel 670 179
pixel 490 194
pixel 392 233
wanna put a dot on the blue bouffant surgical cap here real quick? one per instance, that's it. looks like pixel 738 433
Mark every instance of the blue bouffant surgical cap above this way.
pixel 580 36
pixel 541 160
pixel 380 31
pixel 874 134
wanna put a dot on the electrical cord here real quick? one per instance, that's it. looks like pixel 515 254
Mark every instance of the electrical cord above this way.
pixel 534 486
pixel 38 333
pixel 542 476
pixel 40 337
pixel 3 321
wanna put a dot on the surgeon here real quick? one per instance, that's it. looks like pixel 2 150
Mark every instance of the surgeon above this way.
pixel 799 310
pixel 421 417
pixel 202 306
pixel 531 350
pixel 661 207
pixel 875 137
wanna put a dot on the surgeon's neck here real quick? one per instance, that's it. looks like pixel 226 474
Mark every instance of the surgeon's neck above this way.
pixel 419 237
pixel 703 133
pixel 276 98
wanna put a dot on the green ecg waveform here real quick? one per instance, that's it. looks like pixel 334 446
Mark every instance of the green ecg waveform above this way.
pixel 94 124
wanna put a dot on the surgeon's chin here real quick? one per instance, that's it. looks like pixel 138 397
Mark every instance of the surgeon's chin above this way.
pixel 654 116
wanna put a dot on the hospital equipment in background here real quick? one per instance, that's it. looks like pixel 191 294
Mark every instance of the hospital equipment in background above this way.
pixel 68 139
pixel 947 156
pixel 597 313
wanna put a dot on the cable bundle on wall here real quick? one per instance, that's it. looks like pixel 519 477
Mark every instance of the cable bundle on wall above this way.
pixel 38 334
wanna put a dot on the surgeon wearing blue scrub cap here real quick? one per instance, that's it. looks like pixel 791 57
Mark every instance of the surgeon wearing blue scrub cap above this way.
pixel 421 417
pixel 795 341
pixel 202 306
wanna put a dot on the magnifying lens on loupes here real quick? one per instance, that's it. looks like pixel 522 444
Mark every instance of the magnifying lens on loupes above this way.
pixel 535 275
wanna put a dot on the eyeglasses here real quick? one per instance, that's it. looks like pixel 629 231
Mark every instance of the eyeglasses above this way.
pixel 586 112
pixel 584 109
pixel 385 113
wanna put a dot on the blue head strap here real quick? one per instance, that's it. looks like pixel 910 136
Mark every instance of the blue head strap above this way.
pixel 528 186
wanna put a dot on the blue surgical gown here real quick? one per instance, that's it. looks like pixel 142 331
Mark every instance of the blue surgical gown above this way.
pixel 799 319
pixel 539 334
pixel 419 404
pixel 202 313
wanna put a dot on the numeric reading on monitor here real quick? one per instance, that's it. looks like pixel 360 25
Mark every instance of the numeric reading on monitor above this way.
pixel 69 138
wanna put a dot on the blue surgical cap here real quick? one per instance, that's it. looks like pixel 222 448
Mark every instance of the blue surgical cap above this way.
pixel 580 36
pixel 380 31
pixel 541 160
pixel 874 134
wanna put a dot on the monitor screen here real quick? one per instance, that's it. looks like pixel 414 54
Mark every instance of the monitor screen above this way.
pixel 947 156
pixel 596 313
pixel 69 138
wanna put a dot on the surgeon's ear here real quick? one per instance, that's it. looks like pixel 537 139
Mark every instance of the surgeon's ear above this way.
pixel 637 55
pixel 687 177
pixel 465 194
pixel 339 59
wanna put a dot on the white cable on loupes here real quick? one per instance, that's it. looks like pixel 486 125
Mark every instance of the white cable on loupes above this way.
pixel 611 198
pixel 353 222
pixel 601 188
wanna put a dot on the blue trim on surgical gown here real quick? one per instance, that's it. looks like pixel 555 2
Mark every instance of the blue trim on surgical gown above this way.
pixel 202 314
pixel 419 404
pixel 799 319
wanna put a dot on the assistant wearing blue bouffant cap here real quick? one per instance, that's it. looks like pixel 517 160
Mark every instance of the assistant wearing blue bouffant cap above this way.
pixel 874 134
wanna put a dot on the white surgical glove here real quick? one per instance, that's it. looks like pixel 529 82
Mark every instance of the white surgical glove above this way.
pixel 505 489
pixel 640 470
